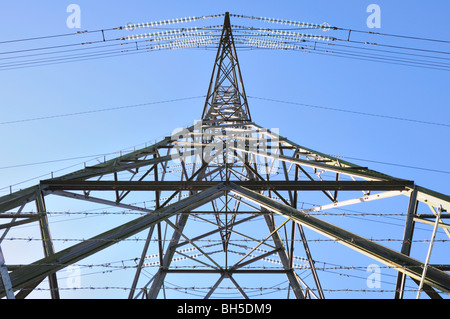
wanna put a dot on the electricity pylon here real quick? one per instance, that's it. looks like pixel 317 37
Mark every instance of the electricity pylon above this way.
pixel 227 203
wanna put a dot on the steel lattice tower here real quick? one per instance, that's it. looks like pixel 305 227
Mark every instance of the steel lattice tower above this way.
pixel 225 163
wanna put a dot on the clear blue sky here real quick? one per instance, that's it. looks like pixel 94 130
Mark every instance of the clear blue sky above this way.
pixel 322 80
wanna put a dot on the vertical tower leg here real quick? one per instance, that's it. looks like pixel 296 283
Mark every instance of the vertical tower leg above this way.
pixel 4 277
pixel 407 239
pixel 159 277
pixel 292 277
pixel 47 242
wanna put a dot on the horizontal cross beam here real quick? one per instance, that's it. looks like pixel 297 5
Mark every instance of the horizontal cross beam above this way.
pixel 228 271
pixel 52 185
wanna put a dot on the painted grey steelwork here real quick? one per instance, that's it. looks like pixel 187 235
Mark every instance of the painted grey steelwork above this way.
pixel 5 280
pixel 225 164
pixel 23 276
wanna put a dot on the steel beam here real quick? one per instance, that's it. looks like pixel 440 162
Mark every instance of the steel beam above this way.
pixel 20 222
pixel 159 277
pixel 229 270
pixel 234 109
pixel 429 222
pixel 405 264
pixel 18 198
pixel 47 242
pixel 282 254
pixel 14 216
pixel 100 201
pixel 350 171
pixel 46 266
pixel 5 280
pixel 125 162
pixel 311 262
pixel 407 240
pixel 337 162
pixel 141 262
pixel 225 108
pixel 275 185
pixel 427 260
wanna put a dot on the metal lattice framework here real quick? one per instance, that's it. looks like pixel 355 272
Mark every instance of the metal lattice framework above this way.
pixel 225 170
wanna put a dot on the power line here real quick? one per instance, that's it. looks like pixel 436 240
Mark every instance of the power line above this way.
pixel 353 112
pixel 316 44
pixel 397 46
pixel 393 35
pixel 166 40
pixel 399 165
pixel 390 59
pixel 208 288
pixel 137 239
pixel 55 36
pixel 55 161
pixel 99 110
pixel 325 26
pixel 75 59
pixel 370 58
